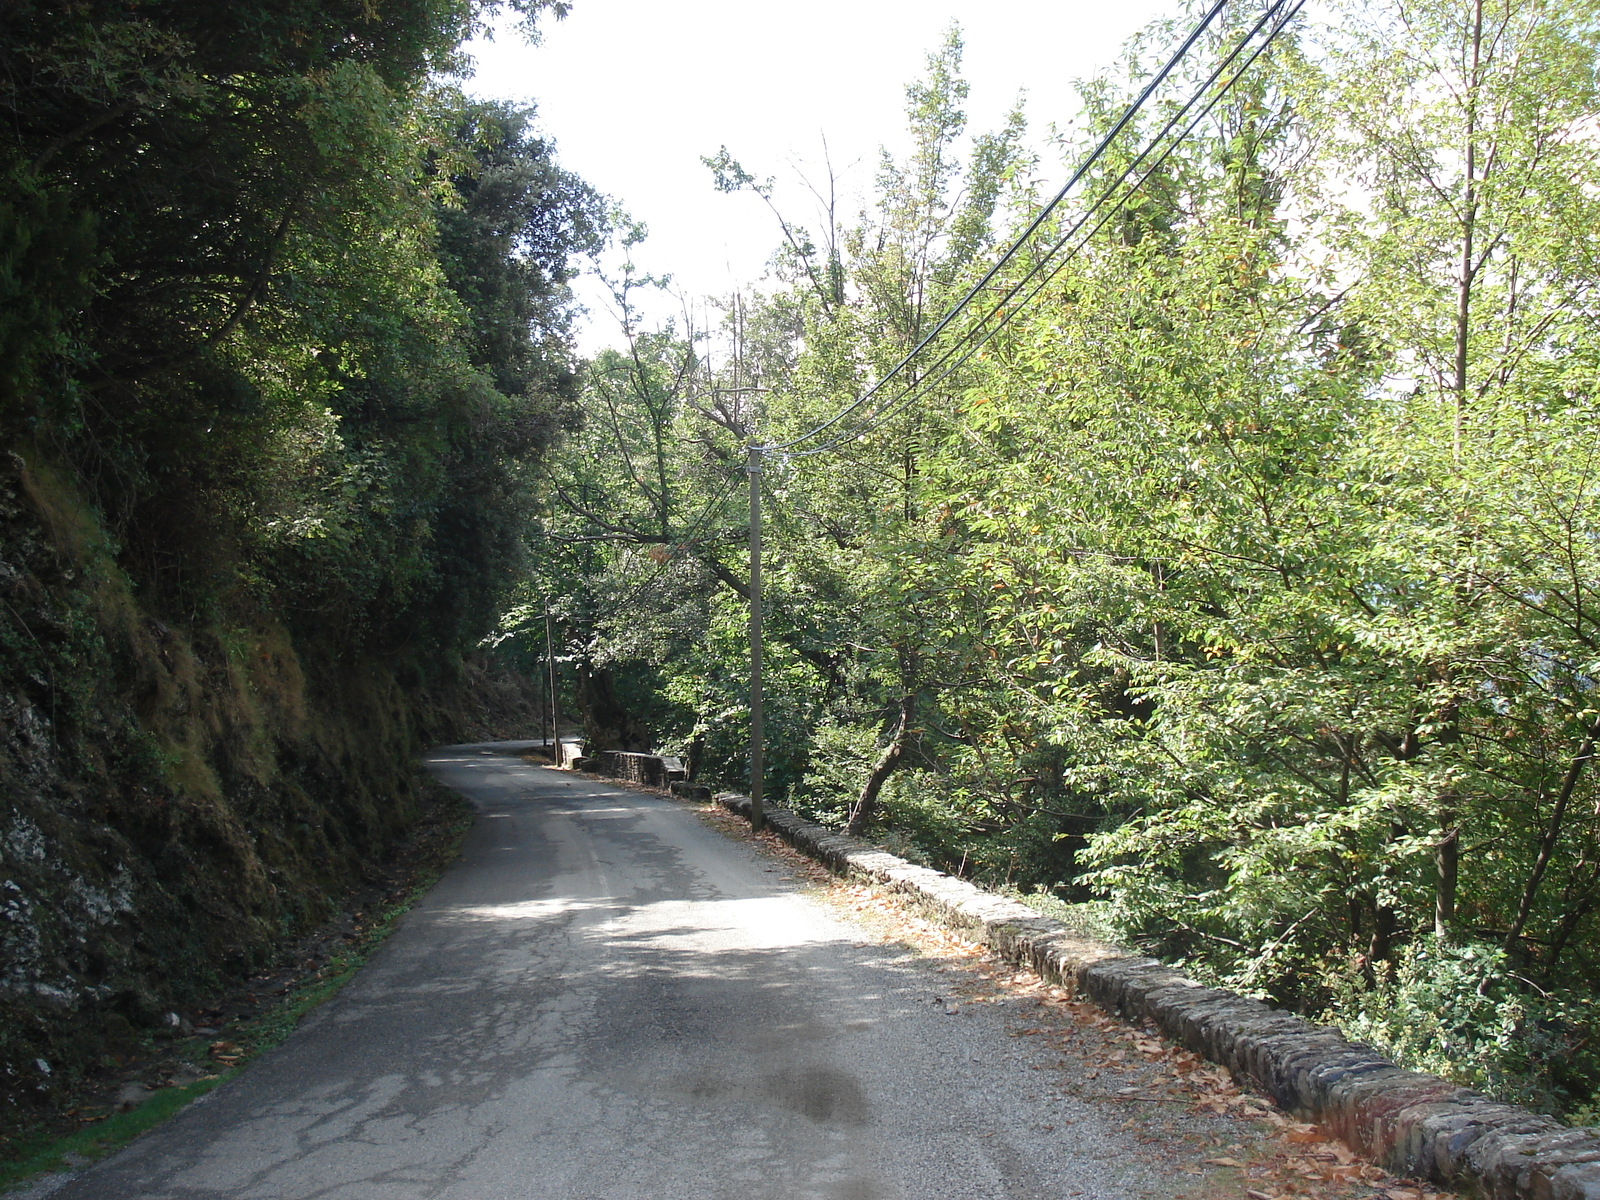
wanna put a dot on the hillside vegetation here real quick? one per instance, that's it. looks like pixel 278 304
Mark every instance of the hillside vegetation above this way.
pixel 1229 562
pixel 1224 568
pixel 283 332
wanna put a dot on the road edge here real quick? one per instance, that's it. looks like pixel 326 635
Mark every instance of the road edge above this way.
pixel 343 949
pixel 1406 1121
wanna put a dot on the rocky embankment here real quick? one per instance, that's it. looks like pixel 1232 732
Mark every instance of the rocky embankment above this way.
pixel 177 802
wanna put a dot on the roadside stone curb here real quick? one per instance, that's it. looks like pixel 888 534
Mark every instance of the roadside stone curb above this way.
pixel 1406 1121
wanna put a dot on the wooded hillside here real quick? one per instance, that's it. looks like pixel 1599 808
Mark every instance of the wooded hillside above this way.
pixel 283 332
pixel 1207 551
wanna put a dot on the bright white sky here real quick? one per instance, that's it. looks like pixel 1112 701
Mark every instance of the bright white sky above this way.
pixel 634 92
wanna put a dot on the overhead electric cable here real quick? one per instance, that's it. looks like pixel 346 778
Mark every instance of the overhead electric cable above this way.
pixel 1017 245
pixel 1110 191
pixel 919 389
pixel 973 343
pixel 717 502
pixel 964 348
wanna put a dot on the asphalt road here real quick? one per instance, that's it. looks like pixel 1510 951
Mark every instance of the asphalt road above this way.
pixel 606 999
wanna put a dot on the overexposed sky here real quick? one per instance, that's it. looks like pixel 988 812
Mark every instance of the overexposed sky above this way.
pixel 634 92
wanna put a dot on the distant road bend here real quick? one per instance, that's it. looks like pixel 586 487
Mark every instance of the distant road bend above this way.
pixel 605 999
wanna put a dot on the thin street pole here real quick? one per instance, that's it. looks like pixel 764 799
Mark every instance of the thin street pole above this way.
pixel 753 467
pixel 550 663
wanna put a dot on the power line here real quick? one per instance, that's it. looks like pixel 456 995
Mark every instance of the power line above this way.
pixel 716 504
pixel 973 344
pixel 916 391
pixel 976 337
pixel 1017 245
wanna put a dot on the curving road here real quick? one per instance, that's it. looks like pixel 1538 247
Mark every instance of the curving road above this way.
pixel 605 999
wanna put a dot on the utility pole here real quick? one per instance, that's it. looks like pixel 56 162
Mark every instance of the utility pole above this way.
pixel 753 467
pixel 550 663
pixel 544 709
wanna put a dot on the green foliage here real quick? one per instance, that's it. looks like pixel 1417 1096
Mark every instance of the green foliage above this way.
pixel 1245 580
pixel 284 335
pixel 47 258
pixel 1456 1009
pixel 284 301
pixel 1299 591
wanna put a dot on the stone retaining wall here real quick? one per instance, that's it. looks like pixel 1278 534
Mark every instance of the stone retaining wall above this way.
pixel 1410 1123
pixel 652 770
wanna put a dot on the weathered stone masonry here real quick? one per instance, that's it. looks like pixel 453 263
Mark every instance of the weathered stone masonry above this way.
pixel 1409 1122
pixel 652 770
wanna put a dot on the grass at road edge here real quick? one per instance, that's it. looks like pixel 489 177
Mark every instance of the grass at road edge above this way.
pixel 97 1140
pixel 46 1153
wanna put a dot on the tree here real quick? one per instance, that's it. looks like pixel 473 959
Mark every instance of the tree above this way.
pixel 903 264
pixel 283 333
pixel 1466 125
pixel 1296 498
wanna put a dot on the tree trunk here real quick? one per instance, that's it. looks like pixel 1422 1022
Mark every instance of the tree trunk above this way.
pixel 1385 921
pixel 866 803
pixel 1446 855
pixel 1447 850
pixel 1446 861
pixel 1469 221
pixel 696 759
pixel 1573 913
pixel 1552 834
pixel 607 724
pixel 1381 946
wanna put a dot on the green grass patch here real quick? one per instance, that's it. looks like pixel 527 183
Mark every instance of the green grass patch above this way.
pixel 105 1135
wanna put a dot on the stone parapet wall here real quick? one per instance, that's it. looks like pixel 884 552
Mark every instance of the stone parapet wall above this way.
pixel 652 770
pixel 1408 1122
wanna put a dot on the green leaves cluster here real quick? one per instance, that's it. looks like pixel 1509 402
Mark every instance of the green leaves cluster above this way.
pixel 286 302
pixel 1302 488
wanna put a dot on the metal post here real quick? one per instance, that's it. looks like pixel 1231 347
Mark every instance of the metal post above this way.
pixel 550 661
pixel 753 466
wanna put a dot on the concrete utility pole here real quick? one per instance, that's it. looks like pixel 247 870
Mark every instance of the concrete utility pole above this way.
pixel 753 467
pixel 550 663
pixel 544 711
